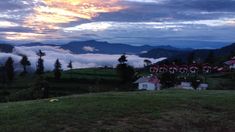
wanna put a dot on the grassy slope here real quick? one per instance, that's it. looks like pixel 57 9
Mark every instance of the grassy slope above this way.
pixel 171 110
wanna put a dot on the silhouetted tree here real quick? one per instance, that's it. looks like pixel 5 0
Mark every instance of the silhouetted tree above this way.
pixel 191 58
pixel 195 82
pixel 40 65
pixel 2 75
pixel 70 65
pixel 9 69
pixel 41 54
pixel 210 58
pixel 122 59
pixel 57 70
pixel 25 62
pixel 147 62
pixel 125 72
pixel 168 80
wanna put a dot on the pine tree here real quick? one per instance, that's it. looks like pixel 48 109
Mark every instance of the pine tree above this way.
pixel 40 66
pixel 9 69
pixel 40 63
pixel 25 62
pixel 57 70
pixel 70 65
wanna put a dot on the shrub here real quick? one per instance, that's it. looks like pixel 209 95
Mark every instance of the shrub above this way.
pixel 168 80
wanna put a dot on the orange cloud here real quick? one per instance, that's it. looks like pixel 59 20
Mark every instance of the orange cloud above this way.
pixel 30 36
pixel 51 13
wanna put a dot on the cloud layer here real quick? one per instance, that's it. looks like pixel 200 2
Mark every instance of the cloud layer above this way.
pixel 127 21
pixel 79 60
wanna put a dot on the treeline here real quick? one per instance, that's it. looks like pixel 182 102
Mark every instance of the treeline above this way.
pixel 7 71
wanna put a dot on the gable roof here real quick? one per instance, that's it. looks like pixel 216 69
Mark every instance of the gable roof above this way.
pixel 148 79
pixel 230 62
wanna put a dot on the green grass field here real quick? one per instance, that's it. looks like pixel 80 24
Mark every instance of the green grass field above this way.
pixel 167 110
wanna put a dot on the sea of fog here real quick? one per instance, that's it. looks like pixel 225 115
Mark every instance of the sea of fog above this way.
pixel 65 56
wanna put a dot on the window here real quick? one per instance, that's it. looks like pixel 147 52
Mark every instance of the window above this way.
pixel 145 86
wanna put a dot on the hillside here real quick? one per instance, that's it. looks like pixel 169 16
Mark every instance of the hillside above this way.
pixel 93 46
pixel 7 48
pixel 183 54
pixel 172 110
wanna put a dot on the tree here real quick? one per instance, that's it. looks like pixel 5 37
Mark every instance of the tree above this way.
pixel 125 72
pixel 122 59
pixel 147 62
pixel 168 80
pixel 2 75
pixel 25 62
pixel 41 54
pixel 70 65
pixel 195 82
pixel 57 70
pixel 210 58
pixel 40 65
pixel 9 69
pixel 191 58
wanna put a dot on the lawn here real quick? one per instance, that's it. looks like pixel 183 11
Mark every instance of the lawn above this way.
pixel 167 110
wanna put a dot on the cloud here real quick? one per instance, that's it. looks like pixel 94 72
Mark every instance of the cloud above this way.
pixel 49 14
pixel 112 20
pixel 79 60
pixel 89 49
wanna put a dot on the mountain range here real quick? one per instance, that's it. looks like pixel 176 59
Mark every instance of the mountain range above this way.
pixel 199 54
pixel 7 48
pixel 96 47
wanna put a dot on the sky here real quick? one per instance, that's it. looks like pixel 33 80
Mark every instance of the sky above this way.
pixel 182 23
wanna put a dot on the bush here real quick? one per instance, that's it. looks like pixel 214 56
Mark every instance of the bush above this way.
pixel 38 90
pixel 3 95
pixel 168 80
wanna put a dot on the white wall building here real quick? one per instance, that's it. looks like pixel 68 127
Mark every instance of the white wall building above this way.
pixel 148 83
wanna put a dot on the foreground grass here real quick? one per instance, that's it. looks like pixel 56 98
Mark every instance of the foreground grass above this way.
pixel 170 110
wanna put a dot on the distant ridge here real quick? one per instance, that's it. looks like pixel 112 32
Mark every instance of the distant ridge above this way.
pixel 183 54
pixel 7 48
pixel 93 46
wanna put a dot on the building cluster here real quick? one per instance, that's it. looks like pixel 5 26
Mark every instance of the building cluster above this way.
pixel 231 63
pixel 193 68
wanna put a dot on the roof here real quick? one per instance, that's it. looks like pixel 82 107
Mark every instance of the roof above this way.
pixel 149 79
pixel 230 62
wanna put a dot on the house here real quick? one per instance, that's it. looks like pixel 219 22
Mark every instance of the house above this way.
pixel 206 68
pixel 203 86
pixel 231 63
pixel 193 69
pixel 186 85
pixel 173 69
pixel 163 69
pixel 183 69
pixel 148 83
pixel 154 69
